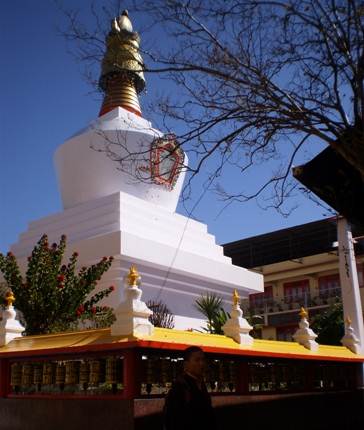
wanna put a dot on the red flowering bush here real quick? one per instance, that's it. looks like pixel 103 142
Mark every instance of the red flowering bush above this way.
pixel 53 296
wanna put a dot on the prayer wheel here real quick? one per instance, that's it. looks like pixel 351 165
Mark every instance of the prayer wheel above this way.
pixel 84 373
pixel 37 375
pixel 15 374
pixel 111 372
pixel 95 372
pixel 60 374
pixel 71 375
pixel 48 374
pixel 27 375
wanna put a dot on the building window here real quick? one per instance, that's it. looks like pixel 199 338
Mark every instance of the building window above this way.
pixel 329 286
pixel 284 319
pixel 286 333
pixel 262 300
pixel 297 292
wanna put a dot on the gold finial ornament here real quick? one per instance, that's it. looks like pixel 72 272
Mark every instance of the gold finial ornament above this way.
pixel 122 77
pixel 348 320
pixel 10 299
pixel 236 298
pixel 303 313
pixel 124 21
pixel 133 277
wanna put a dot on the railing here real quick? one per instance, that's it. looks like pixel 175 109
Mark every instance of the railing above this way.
pixel 328 293
pixel 292 302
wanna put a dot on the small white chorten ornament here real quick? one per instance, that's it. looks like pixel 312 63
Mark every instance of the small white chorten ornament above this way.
pixel 10 328
pixel 132 314
pixel 236 326
pixel 305 335
pixel 350 340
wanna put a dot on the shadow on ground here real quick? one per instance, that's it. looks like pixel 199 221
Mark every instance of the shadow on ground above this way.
pixel 316 411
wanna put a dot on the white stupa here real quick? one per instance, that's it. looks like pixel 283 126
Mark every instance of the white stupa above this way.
pixel 120 181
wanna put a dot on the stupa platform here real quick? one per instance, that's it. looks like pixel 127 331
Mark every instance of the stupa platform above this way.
pixel 176 257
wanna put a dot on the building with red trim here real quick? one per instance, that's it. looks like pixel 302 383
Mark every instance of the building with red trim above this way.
pixel 301 268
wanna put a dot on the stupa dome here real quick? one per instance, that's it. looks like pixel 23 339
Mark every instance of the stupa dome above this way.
pixel 121 151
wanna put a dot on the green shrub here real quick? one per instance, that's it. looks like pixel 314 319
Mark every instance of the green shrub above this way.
pixel 53 295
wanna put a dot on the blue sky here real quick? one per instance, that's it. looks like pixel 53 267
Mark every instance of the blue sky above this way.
pixel 45 100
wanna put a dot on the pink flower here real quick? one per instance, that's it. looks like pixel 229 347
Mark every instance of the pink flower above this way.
pixel 93 310
pixel 60 278
pixel 112 288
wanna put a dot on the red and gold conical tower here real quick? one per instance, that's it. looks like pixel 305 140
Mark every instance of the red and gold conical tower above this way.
pixel 122 77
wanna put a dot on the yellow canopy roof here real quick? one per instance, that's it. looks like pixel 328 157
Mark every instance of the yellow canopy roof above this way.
pixel 169 339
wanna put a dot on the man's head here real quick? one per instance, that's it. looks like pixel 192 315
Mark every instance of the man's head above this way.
pixel 194 361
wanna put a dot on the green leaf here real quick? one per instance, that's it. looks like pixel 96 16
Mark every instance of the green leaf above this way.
pixel 210 305
pixel 54 290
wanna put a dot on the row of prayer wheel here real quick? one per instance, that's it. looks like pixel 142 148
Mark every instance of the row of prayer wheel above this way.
pixel 270 373
pixel 162 371
pixel 156 371
pixel 72 372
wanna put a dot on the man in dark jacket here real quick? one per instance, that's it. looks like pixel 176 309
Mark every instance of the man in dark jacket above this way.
pixel 188 404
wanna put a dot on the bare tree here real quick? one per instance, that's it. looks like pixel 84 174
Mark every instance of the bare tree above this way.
pixel 256 81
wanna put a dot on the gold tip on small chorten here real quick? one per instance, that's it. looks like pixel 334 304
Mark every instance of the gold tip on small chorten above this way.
pixel 236 298
pixel 348 320
pixel 10 299
pixel 133 276
pixel 303 313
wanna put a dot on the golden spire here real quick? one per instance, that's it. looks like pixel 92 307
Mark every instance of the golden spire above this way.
pixel 303 313
pixel 133 276
pixel 122 77
pixel 236 298
pixel 10 299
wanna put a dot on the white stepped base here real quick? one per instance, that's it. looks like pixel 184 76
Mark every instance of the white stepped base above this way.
pixel 176 257
pixel 185 323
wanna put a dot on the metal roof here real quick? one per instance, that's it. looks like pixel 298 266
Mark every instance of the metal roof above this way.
pixel 288 244
pixel 88 341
